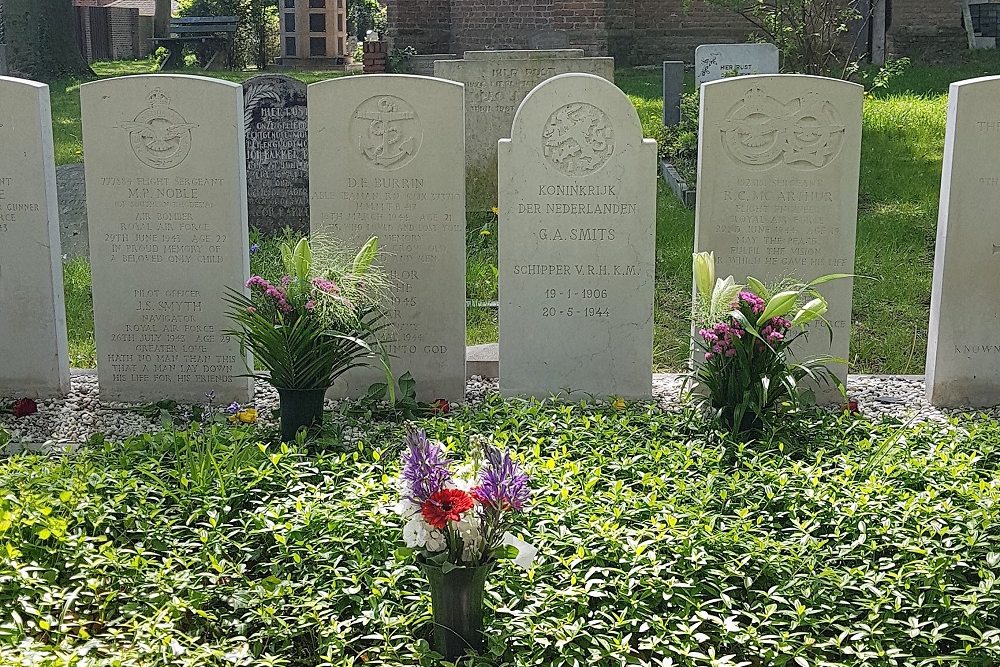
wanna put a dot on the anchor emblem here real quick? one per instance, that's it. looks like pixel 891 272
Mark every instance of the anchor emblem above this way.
pixel 388 131
pixel 159 136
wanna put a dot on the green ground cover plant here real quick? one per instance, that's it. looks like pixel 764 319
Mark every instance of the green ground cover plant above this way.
pixel 839 543
pixel 900 179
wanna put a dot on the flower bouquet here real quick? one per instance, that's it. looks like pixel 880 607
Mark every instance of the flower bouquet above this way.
pixel 745 332
pixel 457 518
pixel 316 324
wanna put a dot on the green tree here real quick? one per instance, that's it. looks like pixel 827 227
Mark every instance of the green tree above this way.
pixel 813 36
pixel 256 36
pixel 365 15
pixel 41 39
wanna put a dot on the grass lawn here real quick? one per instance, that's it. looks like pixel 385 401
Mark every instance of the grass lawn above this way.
pixel 844 543
pixel 900 177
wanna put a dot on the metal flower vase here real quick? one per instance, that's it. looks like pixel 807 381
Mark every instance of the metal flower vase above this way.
pixel 299 408
pixel 457 604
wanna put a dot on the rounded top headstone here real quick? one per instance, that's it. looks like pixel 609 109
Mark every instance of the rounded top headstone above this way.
pixel 580 121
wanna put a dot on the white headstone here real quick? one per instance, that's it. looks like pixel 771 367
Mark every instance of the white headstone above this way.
pixel 963 347
pixel 719 61
pixel 577 243
pixel 167 211
pixel 496 82
pixel 386 160
pixel 778 164
pixel 34 358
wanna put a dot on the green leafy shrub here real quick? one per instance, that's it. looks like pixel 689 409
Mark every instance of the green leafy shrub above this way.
pixel 858 545
pixel 678 144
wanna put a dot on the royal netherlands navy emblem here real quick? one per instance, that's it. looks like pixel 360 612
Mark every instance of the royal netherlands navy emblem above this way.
pixel 578 139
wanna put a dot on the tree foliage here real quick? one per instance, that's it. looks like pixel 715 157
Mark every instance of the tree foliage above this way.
pixel 814 36
pixel 41 39
pixel 365 15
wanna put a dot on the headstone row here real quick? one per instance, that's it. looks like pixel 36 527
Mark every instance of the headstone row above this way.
pixel 166 177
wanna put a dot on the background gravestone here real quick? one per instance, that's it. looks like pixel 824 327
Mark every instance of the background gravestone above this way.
pixel 385 157
pixel 495 84
pixel 577 243
pixel 719 61
pixel 963 347
pixel 166 199
pixel 277 153
pixel 34 357
pixel 778 164
pixel 673 89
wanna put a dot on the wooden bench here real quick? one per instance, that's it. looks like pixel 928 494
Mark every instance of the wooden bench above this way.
pixel 214 32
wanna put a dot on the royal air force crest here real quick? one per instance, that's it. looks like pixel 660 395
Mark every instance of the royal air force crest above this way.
pixel 159 136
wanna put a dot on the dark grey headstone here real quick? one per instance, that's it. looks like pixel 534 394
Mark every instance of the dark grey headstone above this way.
pixel 4 69
pixel 673 87
pixel 277 153
pixel 549 39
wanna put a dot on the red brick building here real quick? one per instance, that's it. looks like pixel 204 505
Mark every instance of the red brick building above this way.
pixel 633 31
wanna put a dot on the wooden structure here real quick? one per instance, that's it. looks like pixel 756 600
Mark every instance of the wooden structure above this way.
pixel 214 33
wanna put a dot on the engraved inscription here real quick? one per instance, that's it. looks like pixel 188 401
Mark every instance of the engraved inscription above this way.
pixel 806 133
pixel 277 153
pixel 387 131
pixel 159 136
pixel 578 139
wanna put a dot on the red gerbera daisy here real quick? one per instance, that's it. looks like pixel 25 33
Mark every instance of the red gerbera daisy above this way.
pixel 446 505
pixel 23 407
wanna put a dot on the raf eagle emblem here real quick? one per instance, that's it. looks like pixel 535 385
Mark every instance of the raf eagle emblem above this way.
pixel 159 136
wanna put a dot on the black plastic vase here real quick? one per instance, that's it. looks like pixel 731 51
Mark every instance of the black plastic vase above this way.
pixel 299 408
pixel 457 603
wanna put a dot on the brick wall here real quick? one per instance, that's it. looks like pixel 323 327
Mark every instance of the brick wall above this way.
pixel 124 32
pixel 919 25
pixel 423 24
pixel 633 31
pixel 498 24
pixel 651 31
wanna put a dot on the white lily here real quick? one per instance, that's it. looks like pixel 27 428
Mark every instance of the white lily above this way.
pixel 725 293
pixel 704 273
pixel 811 311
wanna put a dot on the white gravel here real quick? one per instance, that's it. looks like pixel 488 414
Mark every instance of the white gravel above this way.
pixel 73 419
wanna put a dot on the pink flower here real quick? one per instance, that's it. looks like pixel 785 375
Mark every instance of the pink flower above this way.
pixel 709 356
pixel 310 305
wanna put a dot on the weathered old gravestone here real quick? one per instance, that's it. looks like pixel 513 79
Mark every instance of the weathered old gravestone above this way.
pixel 495 84
pixel 778 165
pixel 719 61
pixel 963 347
pixel 385 158
pixel 673 88
pixel 34 358
pixel 277 153
pixel 166 199
pixel 577 243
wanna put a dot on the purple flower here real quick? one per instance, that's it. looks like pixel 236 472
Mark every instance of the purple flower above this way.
pixel 233 408
pixel 425 466
pixel 324 285
pixel 254 248
pixel 502 482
